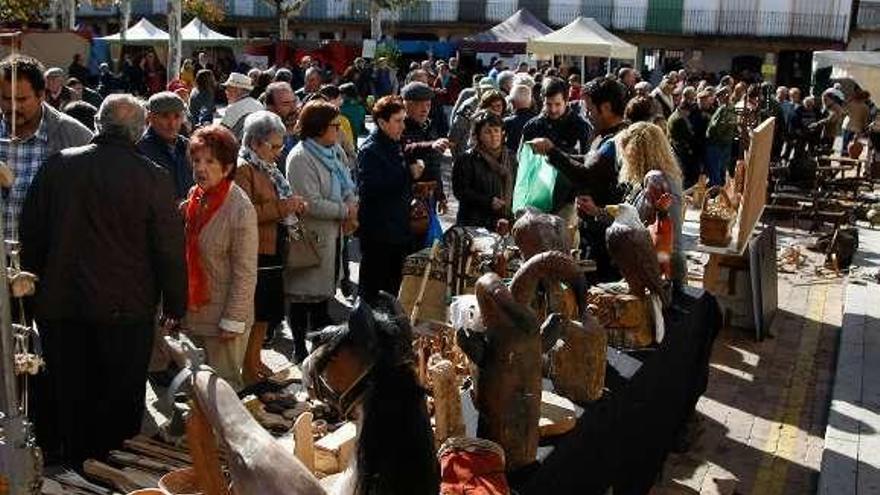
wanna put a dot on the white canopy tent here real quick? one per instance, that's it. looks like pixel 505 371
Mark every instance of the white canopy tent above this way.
pixel 143 32
pixel 582 37
pixel 198 33
pixel 861 67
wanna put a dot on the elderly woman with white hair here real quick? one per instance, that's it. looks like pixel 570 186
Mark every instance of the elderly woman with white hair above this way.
pixel 274 202
pixel 523 111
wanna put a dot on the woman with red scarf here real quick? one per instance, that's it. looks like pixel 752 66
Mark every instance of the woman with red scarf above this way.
pixel 221 254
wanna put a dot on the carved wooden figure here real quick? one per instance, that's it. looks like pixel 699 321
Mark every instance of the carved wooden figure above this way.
pixel 508 355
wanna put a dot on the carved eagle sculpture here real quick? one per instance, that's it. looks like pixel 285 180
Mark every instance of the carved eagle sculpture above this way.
pixel 632 249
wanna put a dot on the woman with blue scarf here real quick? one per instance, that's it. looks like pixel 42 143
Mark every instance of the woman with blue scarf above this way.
pixel 317 171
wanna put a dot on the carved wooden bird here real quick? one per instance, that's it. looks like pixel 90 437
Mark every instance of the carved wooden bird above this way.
pixel 632 249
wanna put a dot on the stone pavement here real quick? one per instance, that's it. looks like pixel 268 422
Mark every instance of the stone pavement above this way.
pixel 851 460
pixel 762 419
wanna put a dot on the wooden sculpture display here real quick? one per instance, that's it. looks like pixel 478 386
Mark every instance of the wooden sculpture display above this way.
pixel 632 250
pixel 509 354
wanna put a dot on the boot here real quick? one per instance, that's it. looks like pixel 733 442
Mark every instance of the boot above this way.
pixel 253 370
pixel 299 323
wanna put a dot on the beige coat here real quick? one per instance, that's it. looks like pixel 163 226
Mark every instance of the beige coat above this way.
pixel 309 178
pixel 228 246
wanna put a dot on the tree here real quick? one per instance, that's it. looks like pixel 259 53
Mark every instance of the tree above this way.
pixel 210 11
pixel 23 11
pixel 376 8
pixel 291 8
pixel 286 9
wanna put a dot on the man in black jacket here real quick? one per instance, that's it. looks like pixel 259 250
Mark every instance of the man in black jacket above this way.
pixel 595 178
pixel 163 143
pixel 101 231
pixel 420 141
pixel 564 128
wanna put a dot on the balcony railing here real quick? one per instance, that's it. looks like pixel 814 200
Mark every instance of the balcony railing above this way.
pixel 658 17
pixel 868 16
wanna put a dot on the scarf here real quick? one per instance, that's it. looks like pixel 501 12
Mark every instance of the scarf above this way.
pixel 331 157
pixel 282 187
pixel 499 164
pixel 199 209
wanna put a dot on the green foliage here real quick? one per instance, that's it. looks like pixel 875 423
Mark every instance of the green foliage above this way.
pixel 209 11
pixel 22 11
pixel 390 52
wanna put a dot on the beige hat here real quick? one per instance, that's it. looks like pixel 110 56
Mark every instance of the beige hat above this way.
pixel 238 80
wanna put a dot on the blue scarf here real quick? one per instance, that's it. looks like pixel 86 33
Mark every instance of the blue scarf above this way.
pixel 282 187
pixel 331 158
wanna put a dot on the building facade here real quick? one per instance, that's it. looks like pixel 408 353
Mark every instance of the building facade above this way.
pixel 715 35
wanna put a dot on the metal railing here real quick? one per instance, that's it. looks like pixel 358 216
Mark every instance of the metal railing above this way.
pixel 657 17
pixel 868 16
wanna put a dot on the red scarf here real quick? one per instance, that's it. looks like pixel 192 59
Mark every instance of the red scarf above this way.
pixel 199 209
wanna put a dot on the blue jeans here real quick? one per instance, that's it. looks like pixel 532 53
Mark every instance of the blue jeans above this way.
pixel 717 156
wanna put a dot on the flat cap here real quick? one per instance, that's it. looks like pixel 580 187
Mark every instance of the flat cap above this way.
pixel 165 102
pixel 54 72
pixel 417 91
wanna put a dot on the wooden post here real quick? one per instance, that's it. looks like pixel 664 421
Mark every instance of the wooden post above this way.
pixel 205 456
pixel 304 440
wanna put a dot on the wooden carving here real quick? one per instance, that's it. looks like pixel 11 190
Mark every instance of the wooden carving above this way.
pixel 508 355
pixel 577 360
pixel 447 402
pixel 257 462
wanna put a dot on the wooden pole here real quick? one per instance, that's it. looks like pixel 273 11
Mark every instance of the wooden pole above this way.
pixel 417 305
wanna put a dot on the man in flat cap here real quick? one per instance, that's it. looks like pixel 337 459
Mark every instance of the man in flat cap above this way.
pixel 57 94
pixel 163 143
pixel 420 140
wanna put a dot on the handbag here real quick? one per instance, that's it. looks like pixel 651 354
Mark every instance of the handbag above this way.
pixel 302 247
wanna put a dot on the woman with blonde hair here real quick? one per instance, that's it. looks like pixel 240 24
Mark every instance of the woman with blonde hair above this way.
pixel 653 177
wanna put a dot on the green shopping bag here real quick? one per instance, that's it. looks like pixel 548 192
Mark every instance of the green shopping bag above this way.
pixel 535 179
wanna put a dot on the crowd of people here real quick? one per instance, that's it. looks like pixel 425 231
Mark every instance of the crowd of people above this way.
pixel 124 205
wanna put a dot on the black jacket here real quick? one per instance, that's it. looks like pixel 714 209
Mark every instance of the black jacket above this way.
pixel 513 127
pixel 385 190
pixel 569 133
pixel 417 141
pixel 474 183
pixel 101 229
pixel 175 160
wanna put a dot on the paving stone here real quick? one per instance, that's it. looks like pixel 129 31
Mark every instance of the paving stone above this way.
pixel 839 468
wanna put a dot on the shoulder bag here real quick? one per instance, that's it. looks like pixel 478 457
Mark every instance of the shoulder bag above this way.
pixel 302 247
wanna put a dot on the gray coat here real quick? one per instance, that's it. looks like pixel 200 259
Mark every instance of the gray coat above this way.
pixel 63 131
pixel 309 178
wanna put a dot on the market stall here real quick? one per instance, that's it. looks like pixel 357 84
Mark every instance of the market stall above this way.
pixel 861 67
pixel 582 37
pixel 509 36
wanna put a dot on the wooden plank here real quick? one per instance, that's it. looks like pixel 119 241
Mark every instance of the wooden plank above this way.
pixel 107 474
pixel 841 159
pixel 333 452
pixel 206 459
pixel 558 415
pixel 755 190
pixel 166 455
